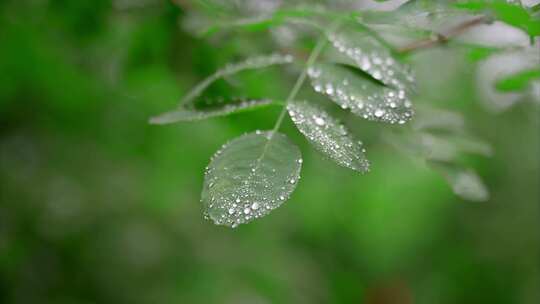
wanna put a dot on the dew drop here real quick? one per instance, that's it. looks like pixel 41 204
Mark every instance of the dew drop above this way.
pixel 319 120
pixel 379 113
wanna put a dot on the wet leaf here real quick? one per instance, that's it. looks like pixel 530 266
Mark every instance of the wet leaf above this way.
pixel 253 63
pixel 328 136
pixel 187 109
pixel 373 57
pixel 362 96
pixel 219 108
pixel 249 177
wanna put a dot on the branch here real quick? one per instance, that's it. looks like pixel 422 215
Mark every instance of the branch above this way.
pixel 441 38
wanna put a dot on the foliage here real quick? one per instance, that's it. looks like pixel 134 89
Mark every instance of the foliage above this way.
pixel 97 206
pixel 364 74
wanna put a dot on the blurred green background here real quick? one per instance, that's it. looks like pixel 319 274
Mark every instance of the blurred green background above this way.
pixel 98 206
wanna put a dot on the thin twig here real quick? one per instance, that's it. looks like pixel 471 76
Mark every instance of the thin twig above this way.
pixel 441 38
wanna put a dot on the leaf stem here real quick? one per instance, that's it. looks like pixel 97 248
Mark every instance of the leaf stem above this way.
pixel 300 81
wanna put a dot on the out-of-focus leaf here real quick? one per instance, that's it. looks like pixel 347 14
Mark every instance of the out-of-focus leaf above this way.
pixel 362 96
pixel 503 65
pixel 433 147
pixel 222 107
pixel 448 147
pixel 511 13
pixel 478 53
pixel 328 136
pixel 249 177
pixel 441 152
pixel 465 183
pixel 433 119
pixel 430 16
pixel 471 145
pixel 302 14
pixel 518 81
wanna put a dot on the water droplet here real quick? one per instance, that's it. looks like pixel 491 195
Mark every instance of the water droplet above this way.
pixel 318 120
pixel 329 89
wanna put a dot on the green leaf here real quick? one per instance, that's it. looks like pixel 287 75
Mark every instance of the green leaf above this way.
pixel 221 108
pixel 328 136
pixel 362 96
pixel 251 24
pixel 478 53
pixel 518 81
pixel 428 15
pixel 187 109
pixel 448 147
pixel 509 13
pixel 252 63
pixel 441 153
pixel 433 119
pixel 372 56
pixel 300 14
pixel 465 183
pixel 249 177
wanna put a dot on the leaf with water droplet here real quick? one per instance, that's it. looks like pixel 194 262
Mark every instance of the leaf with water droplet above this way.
pixel 363 97
pixel 428 15
pixel 252 63
pixel 465 183
pixel 373 57
pixel 328 136
pixel 200 111
pixel 188 102
pixel 249 177
pixel 269 19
